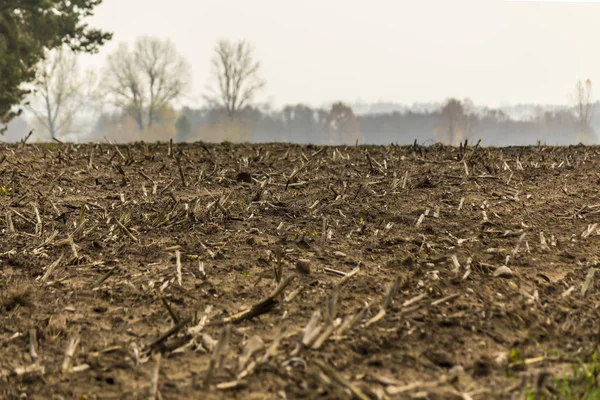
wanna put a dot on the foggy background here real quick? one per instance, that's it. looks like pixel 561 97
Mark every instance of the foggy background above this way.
pixel 505 72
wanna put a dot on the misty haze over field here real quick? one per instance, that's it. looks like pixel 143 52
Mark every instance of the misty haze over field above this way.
pixel 334 72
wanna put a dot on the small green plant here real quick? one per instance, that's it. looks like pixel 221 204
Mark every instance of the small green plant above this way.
pixel 582 383
pixel 530 396
pixel 514 356
pixel 3 191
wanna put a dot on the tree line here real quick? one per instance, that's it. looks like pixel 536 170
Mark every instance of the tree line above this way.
pixel 452 123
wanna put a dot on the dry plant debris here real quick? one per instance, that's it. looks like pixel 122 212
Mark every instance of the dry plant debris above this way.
pixel 173 271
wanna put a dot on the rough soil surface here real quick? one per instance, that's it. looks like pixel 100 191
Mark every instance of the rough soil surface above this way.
pixel 150 271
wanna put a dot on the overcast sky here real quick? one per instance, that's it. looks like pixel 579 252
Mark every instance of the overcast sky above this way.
pixel 315 51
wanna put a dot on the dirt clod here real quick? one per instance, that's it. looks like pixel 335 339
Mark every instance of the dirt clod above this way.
pixel 303 266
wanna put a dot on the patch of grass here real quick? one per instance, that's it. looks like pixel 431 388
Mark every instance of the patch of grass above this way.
pixel 580 384
pixel 583 382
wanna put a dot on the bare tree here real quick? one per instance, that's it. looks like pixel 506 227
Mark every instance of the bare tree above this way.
pixel 341 124
pixel 582 102
pixel 59 91
pixel 145 80
pixel 470 119
pixel 453 124
pixel 236 74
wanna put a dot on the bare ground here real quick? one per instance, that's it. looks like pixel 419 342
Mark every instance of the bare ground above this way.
pixel 435 272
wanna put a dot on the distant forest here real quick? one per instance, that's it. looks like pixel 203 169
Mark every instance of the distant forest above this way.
pixel 381 123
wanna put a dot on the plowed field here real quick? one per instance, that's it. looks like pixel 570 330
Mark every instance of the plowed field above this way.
pixel 284 272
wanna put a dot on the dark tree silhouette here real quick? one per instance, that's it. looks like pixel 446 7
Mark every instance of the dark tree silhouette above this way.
pixel 27 30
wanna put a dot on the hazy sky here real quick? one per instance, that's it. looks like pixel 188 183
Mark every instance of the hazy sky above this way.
pixel 315 51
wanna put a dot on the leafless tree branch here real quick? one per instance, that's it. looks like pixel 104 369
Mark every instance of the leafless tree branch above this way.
pixel 236 77
pixel 59 92
pixel 143 81
pixel 582 104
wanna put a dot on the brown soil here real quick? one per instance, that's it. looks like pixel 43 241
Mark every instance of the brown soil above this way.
pixel 427 225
